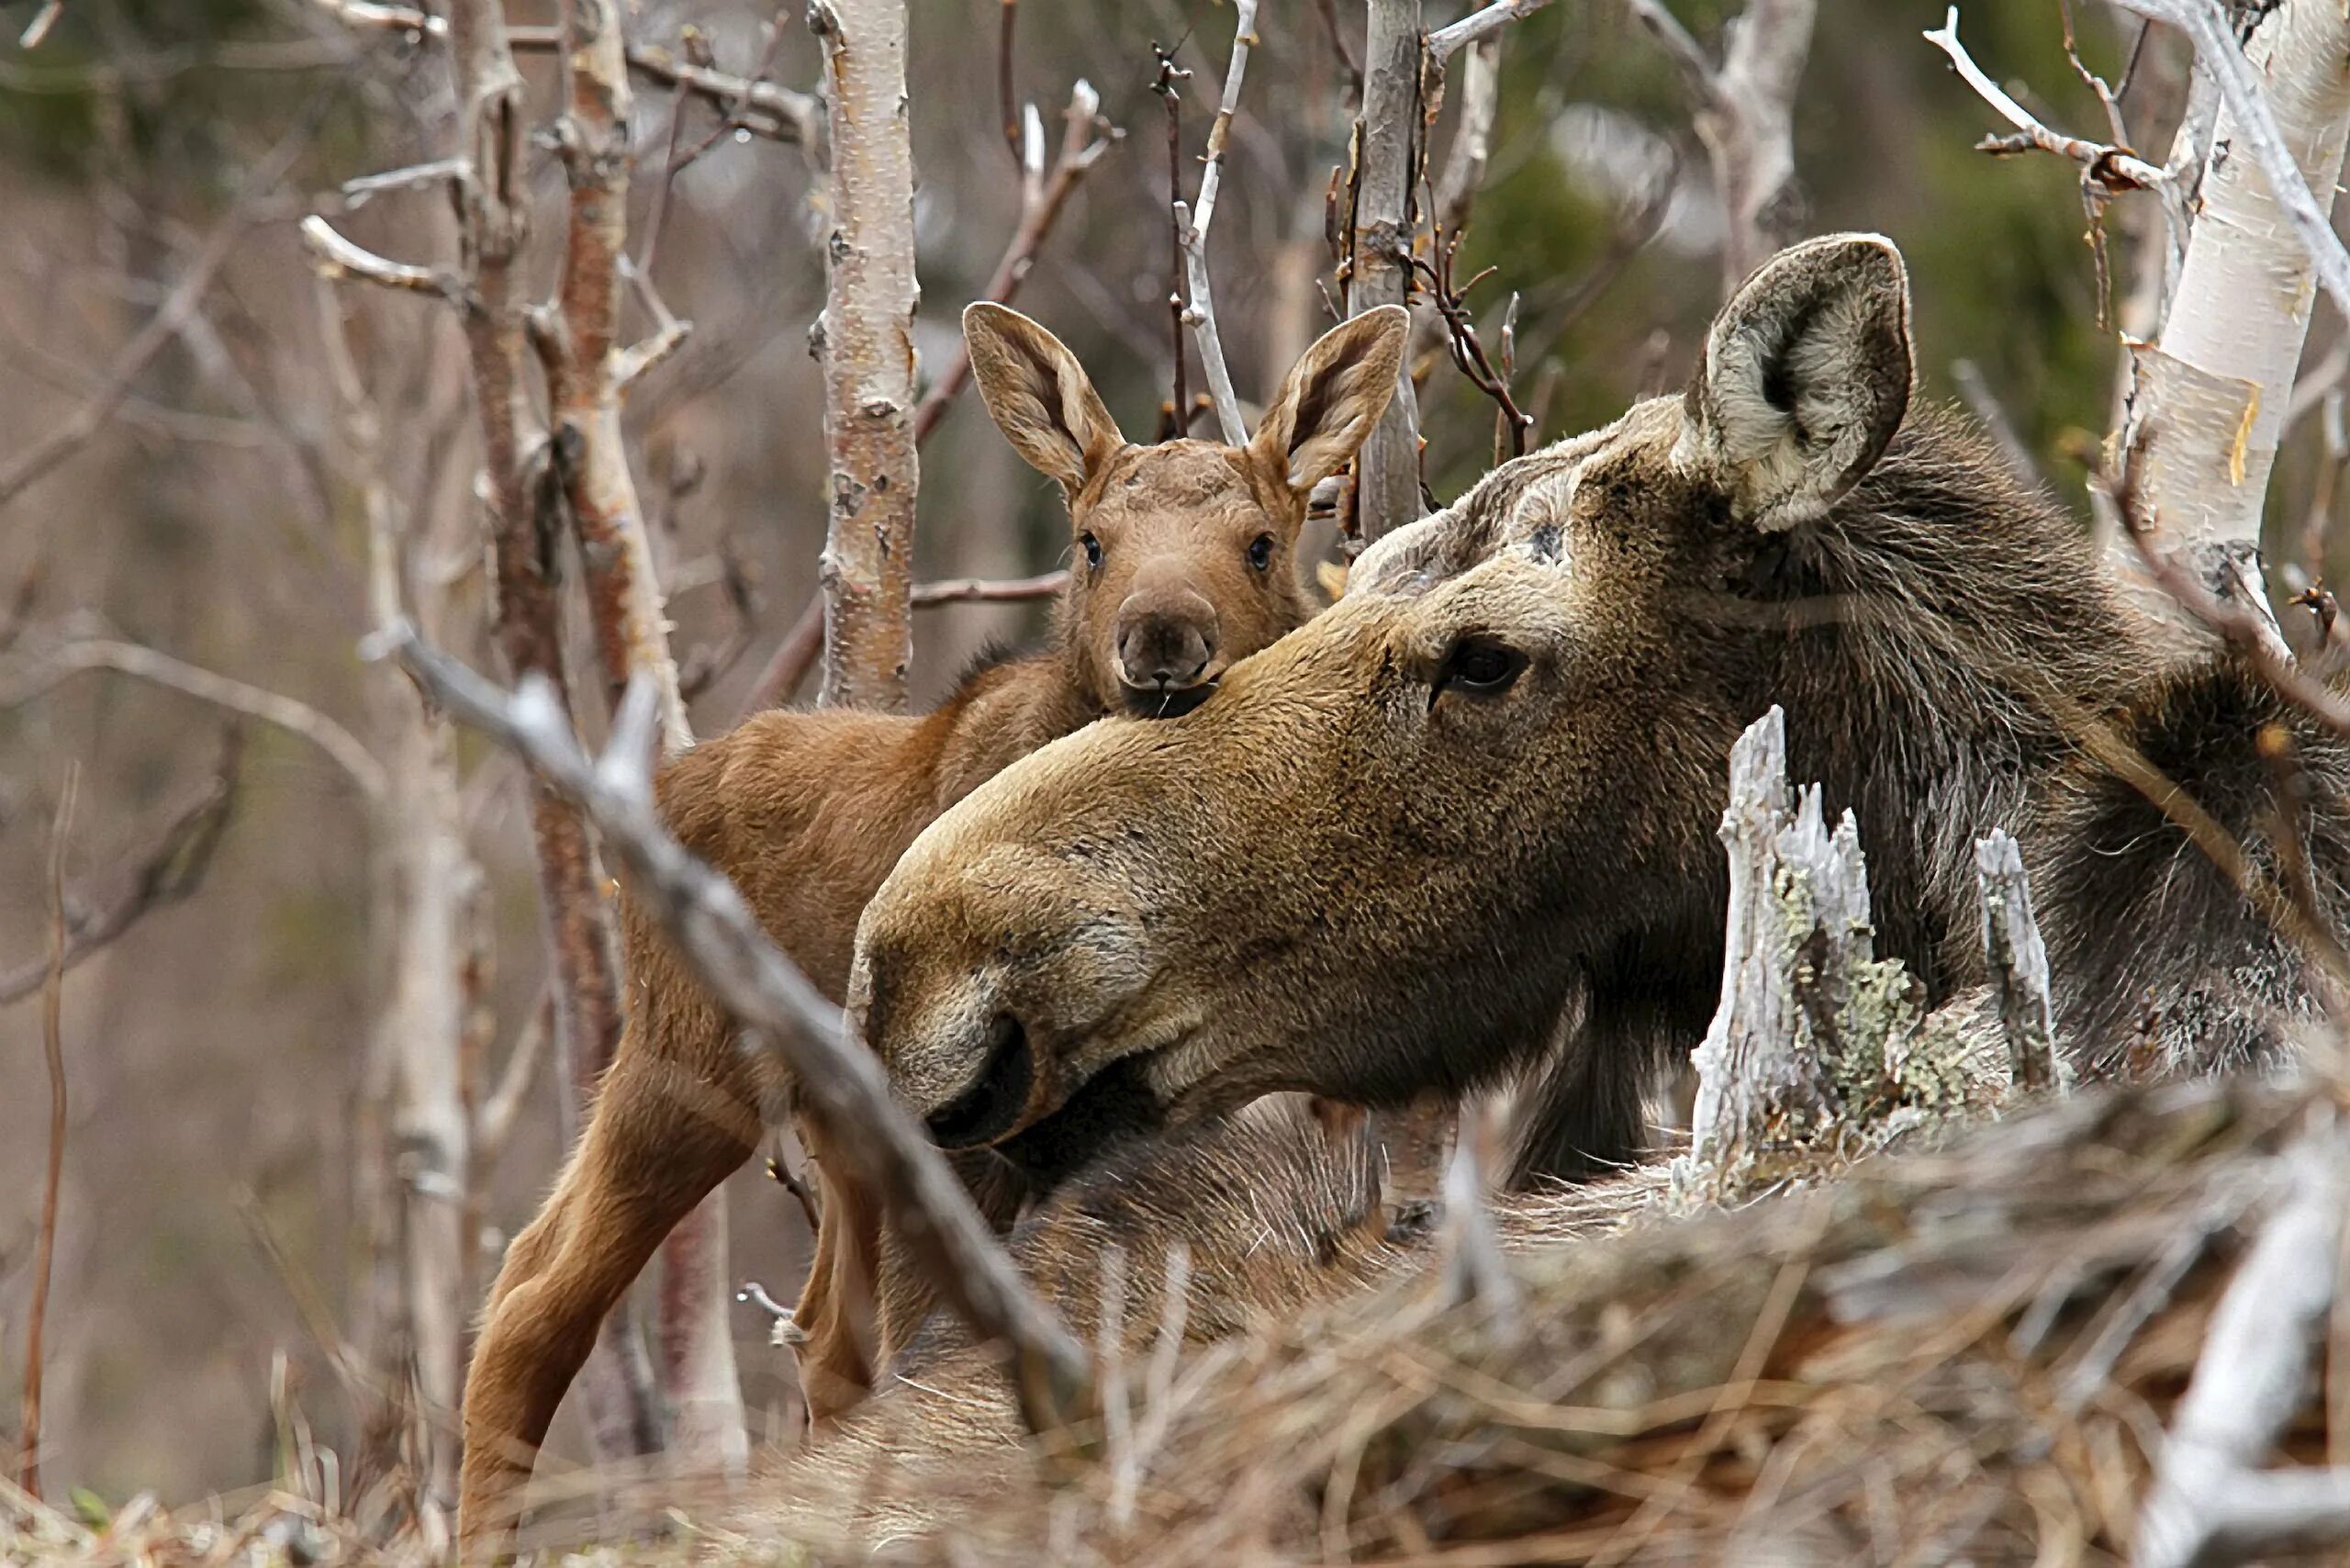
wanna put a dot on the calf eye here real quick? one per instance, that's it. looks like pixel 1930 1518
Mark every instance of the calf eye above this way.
pixel 1480 667
pixel 1260 551
pixel 1092 548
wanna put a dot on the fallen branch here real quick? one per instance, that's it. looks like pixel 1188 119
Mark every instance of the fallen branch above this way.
pixel 165 875
pixel 2211 1501
pixel 842 1086
pixel 1191 234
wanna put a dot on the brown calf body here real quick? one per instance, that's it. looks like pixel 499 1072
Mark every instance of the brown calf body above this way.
pixel 1183 563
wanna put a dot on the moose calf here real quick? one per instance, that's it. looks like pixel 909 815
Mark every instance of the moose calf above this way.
pixel 1479 796
pixel 1183 566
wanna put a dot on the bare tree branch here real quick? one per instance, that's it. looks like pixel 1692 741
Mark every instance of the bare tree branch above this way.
pixel 1744 111
pixel 1476 26
pixel 780 113
pixel 1084 138
pixel 44 671
pixel 171 871
pixel 337 258
pixel 842 1084
pixel 1192 229
pixel 796 655
pixel 2113 168
pixel 171 318
pixel 2255 124
pixel 2211 1501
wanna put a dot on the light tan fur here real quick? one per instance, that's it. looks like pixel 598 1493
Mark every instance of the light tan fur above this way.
pixel 1184 547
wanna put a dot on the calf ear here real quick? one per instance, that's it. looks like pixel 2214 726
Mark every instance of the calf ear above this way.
pixel 1805 377
pixel 1332 397
pixel 1039 396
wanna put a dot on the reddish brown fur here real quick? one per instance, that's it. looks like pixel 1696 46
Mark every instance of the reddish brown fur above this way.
pixel 808 812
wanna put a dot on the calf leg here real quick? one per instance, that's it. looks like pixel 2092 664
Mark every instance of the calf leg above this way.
pixel 659 1141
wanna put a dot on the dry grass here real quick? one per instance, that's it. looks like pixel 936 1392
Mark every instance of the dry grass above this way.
pixel 1968 1353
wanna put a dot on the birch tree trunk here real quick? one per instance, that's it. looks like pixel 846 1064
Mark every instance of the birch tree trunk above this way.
pixel 868 354
pixel 2207 407
pixel 580 947
pixel 588 373
pixel 419 1220
pixel 1379 245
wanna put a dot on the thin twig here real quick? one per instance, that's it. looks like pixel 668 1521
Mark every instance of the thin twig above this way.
pixel 1166 83
pixel 1467 350
pixel 783 116
pixel 796 655
pixel 179 306
pixel 42 672
pixel 2111 167
pixel 337 258
pixel 1085 137
pixel 173 870
pixel 1007 100
pixel 53 1038
pixel 842 1086
pixel 1191 237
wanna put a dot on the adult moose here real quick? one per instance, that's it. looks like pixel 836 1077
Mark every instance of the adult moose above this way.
pixel 1464 823
pixel 1183 565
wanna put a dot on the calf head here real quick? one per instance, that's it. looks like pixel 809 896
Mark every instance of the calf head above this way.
pixel 1389 848
pixel 1183 556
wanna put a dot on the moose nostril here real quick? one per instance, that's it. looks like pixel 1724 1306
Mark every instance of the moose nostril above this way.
pixel 1165 652
pixel 991 1105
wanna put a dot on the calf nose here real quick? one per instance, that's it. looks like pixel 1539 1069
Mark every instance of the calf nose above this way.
pixel 1166 646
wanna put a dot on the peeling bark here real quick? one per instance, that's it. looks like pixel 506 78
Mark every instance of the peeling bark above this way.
pixel 2209 395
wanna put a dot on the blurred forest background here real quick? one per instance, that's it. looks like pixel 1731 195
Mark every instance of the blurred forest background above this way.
pixel 221 1054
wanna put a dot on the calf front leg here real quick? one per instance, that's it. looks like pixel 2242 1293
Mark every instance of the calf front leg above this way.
pixel 660 1139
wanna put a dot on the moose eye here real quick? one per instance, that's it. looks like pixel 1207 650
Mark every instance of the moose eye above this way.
pixel 1260 551
pixel 1480 668
pixel 1092 548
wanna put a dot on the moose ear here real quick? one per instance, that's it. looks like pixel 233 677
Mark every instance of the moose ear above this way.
pixel 1805 377
pixel 1039 396
pixel 1332 397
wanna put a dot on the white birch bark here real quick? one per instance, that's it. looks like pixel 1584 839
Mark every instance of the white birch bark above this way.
pixel 2208 404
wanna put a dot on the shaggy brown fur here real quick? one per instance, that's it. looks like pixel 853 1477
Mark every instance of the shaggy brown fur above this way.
pixel 1480 795
pixel 1182 565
